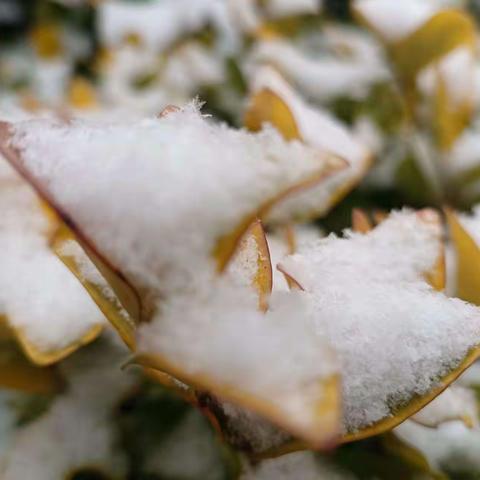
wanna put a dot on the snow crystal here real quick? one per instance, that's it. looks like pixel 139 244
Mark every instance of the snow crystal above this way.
pixel 394 335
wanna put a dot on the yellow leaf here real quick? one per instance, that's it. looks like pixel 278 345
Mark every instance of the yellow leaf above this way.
pixel 441 34
pixel 17 373
pixel 360 221
pixel 44 357
pixel 262 277
pixel 226 245
pixel 268 107
pixel 46 39
pixel 81 94
pixel 276 103
pixel 436 277
pixel 449 118
pixel 468 260
pixel 109 304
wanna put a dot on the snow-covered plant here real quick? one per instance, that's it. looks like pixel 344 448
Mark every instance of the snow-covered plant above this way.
pixel 239 240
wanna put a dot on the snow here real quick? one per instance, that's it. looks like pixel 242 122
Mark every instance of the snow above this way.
pixel 396 20
pixel 158 23
pixel 76 431
pixel 161 221
pixel 393 334
pixel 39 296
pixel 451 446
pixel 455 403
pixel 325 76
pixel 189 452
pixel 241 340
pixel 320 130
pixel 304 465
pixel 471 223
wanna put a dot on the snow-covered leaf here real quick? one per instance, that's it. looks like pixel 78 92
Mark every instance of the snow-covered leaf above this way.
pixel 369 292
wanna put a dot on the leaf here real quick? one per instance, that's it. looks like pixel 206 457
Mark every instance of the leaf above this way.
pixel 360 221
pixel 312 411
pixel 313 417
pixel 35 307
pixel 43 358
pixel 400 412
pixel 468 260
pixel 268 107
pixel 227 244
pixel 68 230
pixel 100 290
pixel 274 102
pixel 18 373
pixel 81 94
pixel 252 262
pixel 441 34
